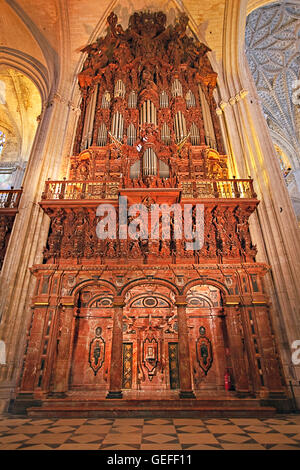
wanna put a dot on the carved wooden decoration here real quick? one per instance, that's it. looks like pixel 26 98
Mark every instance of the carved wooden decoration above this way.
pixel 148 131
pixel 204 351
pixel 150 355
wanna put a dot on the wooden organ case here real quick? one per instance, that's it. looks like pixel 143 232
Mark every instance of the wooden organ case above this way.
pixel 121 316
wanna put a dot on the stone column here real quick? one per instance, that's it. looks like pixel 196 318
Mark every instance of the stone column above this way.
pixel 65 342
pixel 28 238
pixel 274 226
pixel 116 365
pixel 184 360
pixel 236 347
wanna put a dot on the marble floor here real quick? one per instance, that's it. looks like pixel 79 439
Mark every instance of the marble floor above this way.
pixel 279 433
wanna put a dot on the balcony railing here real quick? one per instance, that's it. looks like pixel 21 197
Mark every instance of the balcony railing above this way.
pixel 10 198
pixel 89 190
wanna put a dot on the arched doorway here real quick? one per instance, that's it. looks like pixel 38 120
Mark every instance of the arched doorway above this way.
pixel 207 337
pixel 92 340
pixel 150 339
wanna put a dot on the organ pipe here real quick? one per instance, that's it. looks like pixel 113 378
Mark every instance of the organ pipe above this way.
pixel 149 163
pixel 208 124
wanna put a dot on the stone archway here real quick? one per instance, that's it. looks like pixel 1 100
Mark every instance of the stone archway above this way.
pixel 92 339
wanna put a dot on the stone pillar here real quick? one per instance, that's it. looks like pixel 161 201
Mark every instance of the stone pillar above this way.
pixel 65 333
pixel 26 245
pixel 273 227
pixel 236 347
pixel 116 365
pixel 184 360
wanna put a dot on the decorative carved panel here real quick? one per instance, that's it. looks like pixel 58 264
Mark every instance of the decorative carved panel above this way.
pixel 204 351
pixel 97 351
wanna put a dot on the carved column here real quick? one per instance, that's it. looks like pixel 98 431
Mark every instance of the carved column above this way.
pixel 184 360
pixel 32 358
pixel 116 365
pixel 64 352
pixel 237 347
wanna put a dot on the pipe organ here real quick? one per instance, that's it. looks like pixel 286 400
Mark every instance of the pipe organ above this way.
pixel 180 126
pixel 149 163
pixel 117 125
pixel 120 100
pixel 149 314
pixel 148 113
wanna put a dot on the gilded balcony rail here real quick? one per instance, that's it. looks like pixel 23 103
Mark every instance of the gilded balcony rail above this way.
pixel 89 190
pixel 10 198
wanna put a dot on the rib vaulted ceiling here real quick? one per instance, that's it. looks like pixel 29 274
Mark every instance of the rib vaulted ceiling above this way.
pixel 273 53
pixel 51 33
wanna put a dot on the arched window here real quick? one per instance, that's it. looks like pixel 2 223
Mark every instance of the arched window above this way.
pixel 284 162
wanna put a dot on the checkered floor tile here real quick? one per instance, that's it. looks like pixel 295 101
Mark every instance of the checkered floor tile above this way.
pixel 279 433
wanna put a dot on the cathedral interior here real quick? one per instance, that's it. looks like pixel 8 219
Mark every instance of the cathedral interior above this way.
pixel 169 104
